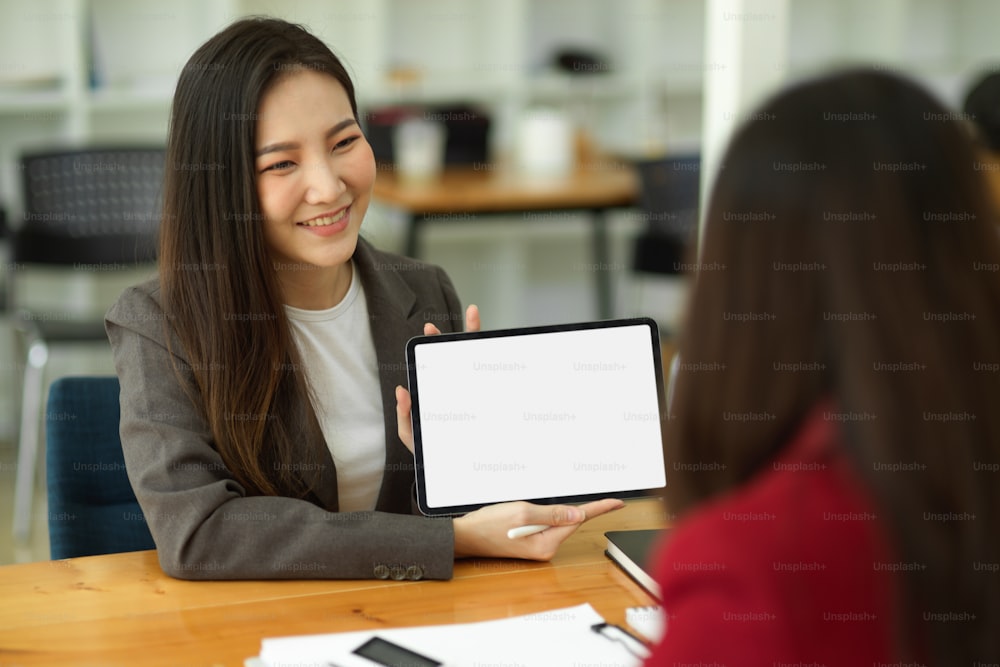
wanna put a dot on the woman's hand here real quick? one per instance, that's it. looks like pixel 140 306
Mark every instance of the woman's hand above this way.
pixel 471 322
pixel 484 532
pixel 403 425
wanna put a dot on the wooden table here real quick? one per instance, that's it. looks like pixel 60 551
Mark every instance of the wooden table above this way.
pixel 121 609
pixel 460 194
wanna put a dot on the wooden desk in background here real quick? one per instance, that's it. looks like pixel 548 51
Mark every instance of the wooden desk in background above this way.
pixel 595 187
pixel 121 609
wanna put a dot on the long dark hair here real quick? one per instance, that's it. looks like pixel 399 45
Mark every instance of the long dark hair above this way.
pixel 849 253
pixel 982 110
pixel 219 287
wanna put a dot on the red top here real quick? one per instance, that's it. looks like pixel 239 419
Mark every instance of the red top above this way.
pixel 790 568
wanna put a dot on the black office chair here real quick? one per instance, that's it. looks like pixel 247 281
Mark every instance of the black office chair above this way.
pixel 669 204
pixel 4 234
pixel 85 211
pixel 92 509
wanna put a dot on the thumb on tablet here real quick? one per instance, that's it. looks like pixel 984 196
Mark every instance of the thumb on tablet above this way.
pixel 404 428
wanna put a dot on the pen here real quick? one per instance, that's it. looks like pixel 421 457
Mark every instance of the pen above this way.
pixel 524 531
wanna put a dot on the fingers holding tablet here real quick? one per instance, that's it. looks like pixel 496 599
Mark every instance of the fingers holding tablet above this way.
pixel 472 322
pixel 404 427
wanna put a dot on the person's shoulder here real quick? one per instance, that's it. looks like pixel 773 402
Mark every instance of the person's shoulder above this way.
pixel 137 304
pixel 784 554
pixel 808 504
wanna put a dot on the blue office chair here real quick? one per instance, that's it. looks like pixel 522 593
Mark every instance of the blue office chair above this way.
pixel 92 509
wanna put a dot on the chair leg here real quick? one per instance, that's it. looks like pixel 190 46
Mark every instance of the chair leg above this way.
pixel 27 455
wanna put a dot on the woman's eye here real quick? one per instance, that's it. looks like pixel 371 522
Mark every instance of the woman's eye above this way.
pixel 284 164
pixel 346 142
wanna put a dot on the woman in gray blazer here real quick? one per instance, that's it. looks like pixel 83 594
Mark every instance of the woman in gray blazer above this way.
pixel 261 370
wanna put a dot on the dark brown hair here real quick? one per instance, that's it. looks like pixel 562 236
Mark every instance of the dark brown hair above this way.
pixel 848 233
pixel 219 286
pixel 982 110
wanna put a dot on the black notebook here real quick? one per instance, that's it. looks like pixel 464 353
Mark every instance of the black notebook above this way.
pixel 632 550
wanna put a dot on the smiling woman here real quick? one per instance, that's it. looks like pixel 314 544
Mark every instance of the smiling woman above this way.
pixel 260 371
pixel 315 176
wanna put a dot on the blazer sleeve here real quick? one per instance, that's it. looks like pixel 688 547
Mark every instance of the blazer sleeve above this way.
pixel 203 522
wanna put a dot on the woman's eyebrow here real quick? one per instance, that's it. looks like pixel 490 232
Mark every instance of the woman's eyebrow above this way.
pixel 290 145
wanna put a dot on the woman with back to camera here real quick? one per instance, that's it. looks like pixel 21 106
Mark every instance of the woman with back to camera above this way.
pixel 261 371
pixel 847 507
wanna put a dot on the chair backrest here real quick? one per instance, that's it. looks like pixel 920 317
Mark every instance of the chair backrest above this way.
pixel 92 509
pixel 669 204
pixel 90 206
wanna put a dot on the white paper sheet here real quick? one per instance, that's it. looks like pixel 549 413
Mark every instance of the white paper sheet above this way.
pixel 546 639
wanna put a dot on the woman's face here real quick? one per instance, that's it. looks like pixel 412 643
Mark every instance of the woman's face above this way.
pixel 315 172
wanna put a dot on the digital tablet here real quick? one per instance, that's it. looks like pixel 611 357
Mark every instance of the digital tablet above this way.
pixel 552 414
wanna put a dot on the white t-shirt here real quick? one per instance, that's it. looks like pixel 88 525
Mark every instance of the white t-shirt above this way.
pixel 342 369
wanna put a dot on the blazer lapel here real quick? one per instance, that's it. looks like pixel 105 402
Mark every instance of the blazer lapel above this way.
pixel 395 318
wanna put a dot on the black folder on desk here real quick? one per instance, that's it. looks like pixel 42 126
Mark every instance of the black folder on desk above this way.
pixel 632 551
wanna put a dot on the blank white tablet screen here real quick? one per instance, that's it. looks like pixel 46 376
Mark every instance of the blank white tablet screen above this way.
pixel 537 416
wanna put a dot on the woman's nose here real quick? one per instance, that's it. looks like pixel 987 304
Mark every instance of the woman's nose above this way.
pixel 324 184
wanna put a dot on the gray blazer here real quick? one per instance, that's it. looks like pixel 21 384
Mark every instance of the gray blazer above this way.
pixel 204 524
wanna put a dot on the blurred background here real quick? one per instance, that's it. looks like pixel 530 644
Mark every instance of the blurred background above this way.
pixel 633 82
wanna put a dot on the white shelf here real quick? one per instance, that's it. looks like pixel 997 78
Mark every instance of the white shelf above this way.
pixel 439 87
pixel 685 81
pixel 128 100
pixel 34 101
pixel 497 55
pixel 573 87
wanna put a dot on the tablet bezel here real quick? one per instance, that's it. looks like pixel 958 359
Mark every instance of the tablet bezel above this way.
pixel 437 339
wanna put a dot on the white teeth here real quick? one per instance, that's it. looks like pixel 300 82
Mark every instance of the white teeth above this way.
pixel 323 222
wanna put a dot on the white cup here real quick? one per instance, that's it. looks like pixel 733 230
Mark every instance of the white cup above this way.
pixel 419 149
pixel 545 144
